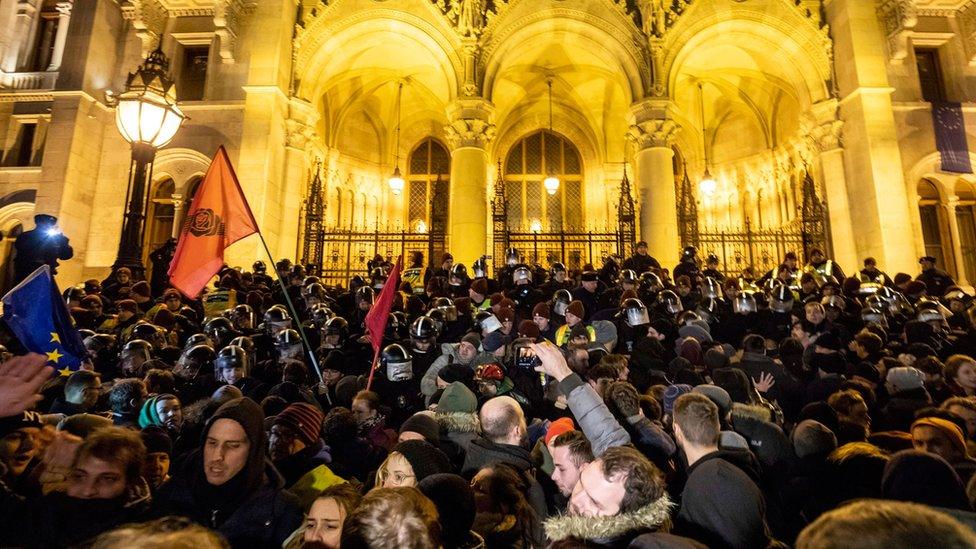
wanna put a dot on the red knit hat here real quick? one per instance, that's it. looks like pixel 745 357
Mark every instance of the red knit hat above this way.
pixel 558 427
pixel 304 419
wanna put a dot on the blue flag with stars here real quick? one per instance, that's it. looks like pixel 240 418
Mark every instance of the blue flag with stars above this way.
pixel 35 313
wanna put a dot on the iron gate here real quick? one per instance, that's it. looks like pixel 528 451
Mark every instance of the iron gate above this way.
pixel 339 253
pixel 762 249
pixel 573 247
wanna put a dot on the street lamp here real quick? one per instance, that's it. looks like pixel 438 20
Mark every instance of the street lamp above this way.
pixel 147 117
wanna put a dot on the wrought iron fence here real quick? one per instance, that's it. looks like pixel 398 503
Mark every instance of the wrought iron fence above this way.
pixel 574 248
pixel 347 251
pixel 762 249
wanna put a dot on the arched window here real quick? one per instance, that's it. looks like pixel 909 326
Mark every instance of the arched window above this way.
pixel 429 176
pixel 159 224
pixel 966 222
pixel 932 221
pixel 529 162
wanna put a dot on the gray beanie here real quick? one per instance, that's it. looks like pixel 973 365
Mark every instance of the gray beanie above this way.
pixel 717 395
pixel 812 437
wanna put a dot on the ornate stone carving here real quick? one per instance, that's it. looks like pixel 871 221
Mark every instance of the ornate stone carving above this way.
pixel 655 16
pixel 149 19
pixel 228 17
pixel 899 18
pixel 827 136
pixel 298 135
pixel 967 29
pixel 653 133
pixel 469 17
pixel 469 132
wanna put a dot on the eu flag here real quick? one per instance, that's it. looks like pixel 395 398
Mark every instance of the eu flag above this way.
pixel 38 317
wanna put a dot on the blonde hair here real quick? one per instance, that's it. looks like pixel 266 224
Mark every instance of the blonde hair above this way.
pixel 383 473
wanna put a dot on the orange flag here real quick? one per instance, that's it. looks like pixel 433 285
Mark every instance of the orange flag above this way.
pixel 218 217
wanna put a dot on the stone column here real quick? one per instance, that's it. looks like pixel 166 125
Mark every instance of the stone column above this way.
pixel 64 18
pixel 876 181
pixel 19 45
pixel 651 132
pixel 950 211
pixel 469 133
pixel 826 139
pixel 177 214
pixel 298 137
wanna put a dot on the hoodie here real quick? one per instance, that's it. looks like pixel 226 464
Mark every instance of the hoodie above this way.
pixel 721 506
pixel 252 509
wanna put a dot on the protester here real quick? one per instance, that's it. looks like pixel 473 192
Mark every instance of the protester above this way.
pixel 729 415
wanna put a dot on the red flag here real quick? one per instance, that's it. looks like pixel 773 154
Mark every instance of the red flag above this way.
pixel 218 217
pixel 379 314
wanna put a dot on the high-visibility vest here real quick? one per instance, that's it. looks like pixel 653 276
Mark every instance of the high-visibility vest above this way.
pixel 562 334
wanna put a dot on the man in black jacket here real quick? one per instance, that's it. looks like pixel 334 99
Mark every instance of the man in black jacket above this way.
pixel 721 506
pixel 641 262
pixel 228 485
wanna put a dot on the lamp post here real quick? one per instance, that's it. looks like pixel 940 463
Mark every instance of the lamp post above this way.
pixel 147 117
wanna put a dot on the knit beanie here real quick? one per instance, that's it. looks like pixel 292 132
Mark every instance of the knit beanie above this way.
pixel 576 309
pixel 579 331
pixel 127 305
pixel 506 314
pixel 528 329
pixel 156 440
pixel 717 395
pixel 246 413
pixel 140 288
pixel 304 419
pixel 479 286
pixel 947 428
pixel 472 338
pixel 148 415
pixel 454 499
pixel 346 390
pixel 541 309
pixel 696 332
pixel 558 427
pixel 424 425
pixel 811 438
pixel 425 458
pixel 457 398
pixel 494 341
pixel 905 378
pixel 672 393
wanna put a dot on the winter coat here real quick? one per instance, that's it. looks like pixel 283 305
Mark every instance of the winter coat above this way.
pixel 766 439
pixel 58 520
pixel 306 473
pixel 449 355
pixel 458 429
pixel 721 506
pixel 593 416
pixel 651 440
pixel 611 531
pixel 483 452
pixel 264 519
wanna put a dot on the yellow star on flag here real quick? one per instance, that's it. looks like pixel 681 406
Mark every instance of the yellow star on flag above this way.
pixel 55 338
pixel 65 371
pixel 54 356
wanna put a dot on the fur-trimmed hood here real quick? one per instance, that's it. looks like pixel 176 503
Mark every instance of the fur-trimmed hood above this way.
pixel 650 517
pixel 458 422
pixel 754 411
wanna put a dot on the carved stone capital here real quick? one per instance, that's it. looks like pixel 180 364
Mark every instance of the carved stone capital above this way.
pixel 967 30
pixel 899 18
pixel 298 135
pixel 470 124
pixel 469 132
pixel 653 133
pixel 827 136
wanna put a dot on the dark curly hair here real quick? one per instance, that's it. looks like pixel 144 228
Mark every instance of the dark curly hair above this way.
pixel 643 481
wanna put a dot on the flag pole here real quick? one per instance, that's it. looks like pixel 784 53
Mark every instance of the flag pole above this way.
pixel 294 314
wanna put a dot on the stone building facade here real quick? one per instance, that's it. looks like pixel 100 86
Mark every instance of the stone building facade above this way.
pixel 759 93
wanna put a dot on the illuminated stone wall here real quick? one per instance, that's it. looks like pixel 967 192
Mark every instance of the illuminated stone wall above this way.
pixel 768 87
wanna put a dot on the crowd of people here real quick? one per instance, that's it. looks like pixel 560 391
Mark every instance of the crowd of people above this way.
pixel 628 405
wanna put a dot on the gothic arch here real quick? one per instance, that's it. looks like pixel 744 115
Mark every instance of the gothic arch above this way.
pixel 182 166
